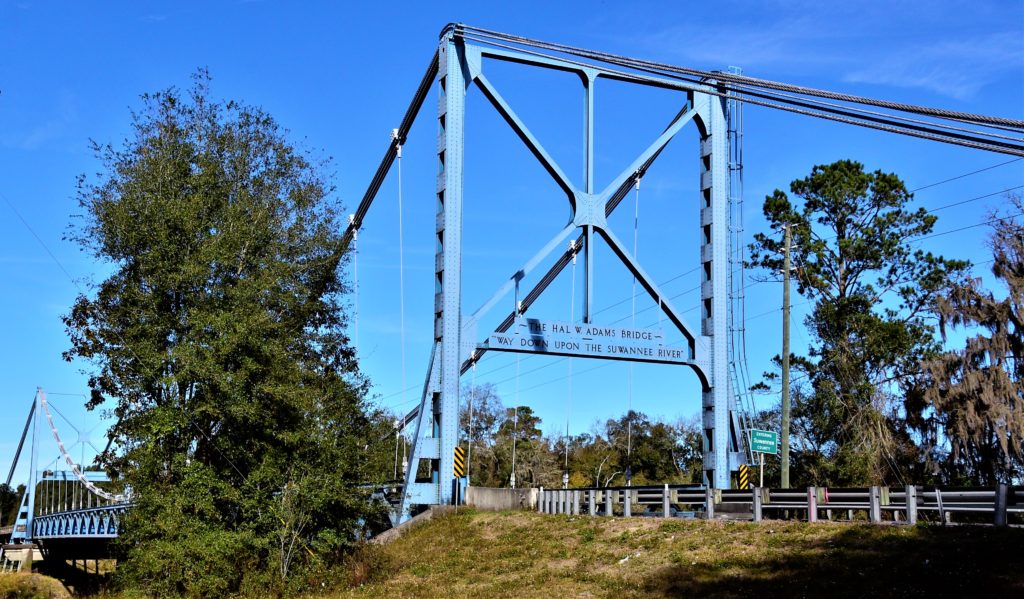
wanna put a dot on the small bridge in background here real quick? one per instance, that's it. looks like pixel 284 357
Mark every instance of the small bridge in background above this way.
pixel 65 509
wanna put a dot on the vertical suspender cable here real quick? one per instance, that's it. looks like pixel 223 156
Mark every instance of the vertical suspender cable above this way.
pixel 629 413
pixel 401 262
pixel 515 423
pixel 355 279
pixel 398 424
pixel 515 412
pixel 472 399
pixel 568 401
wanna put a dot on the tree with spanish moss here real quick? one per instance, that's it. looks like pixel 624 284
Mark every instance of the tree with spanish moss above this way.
pixel 969 403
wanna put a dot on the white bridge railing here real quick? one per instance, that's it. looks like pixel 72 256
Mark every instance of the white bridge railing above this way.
pixel 875 504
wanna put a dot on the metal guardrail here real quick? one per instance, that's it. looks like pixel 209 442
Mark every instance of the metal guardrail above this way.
pixel 878 503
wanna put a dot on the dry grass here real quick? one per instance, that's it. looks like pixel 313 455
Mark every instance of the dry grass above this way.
pixel 24 585
pixel 532 555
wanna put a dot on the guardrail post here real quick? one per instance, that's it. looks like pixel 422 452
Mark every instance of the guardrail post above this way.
pixel 540 501
pixel 1000 504
pixel 709 503
pixel 627 505
pixel 812 504
pixel 911 504
pixel 575 502
pixel 608 494
pixel 875 499
pixel 591 502
pixel 757 504
pixel 665 507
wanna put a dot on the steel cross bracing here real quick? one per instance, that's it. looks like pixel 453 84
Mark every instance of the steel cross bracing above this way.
pixel 460 64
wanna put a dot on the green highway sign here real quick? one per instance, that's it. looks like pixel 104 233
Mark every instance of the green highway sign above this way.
pixel 764 441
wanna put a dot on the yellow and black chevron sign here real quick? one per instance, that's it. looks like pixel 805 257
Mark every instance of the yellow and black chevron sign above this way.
pixel 744 476
pixel 460 462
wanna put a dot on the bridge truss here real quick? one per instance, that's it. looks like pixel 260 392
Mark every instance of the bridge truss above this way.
pixel 460 63
pixel 714 351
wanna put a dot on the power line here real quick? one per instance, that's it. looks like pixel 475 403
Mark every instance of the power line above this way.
pixel 980 170
pixel 988 195
pixel 974 226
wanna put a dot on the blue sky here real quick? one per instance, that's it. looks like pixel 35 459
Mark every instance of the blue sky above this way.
pixel 339 77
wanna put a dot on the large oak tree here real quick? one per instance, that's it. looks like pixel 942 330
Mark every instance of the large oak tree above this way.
pixel 219 334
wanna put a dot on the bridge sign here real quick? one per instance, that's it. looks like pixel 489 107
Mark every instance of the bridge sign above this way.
pixel 533 335
pixel 764 441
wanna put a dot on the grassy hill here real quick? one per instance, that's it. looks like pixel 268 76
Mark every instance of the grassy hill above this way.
pixel 474 554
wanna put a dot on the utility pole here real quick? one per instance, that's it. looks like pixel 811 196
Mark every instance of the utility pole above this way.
pixel 785 362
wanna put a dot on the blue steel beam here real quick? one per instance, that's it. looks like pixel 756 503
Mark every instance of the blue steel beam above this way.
pixel 93 523
pixel 439 447
pixel 470 323
pixel 21 442
pixel 655 147
pixel 420 414
pixel 697 348
pixel 454 83
pixel 524 134
pixel 564 260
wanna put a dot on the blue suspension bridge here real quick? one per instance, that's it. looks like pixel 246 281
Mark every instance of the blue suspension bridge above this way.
pixel 66 508
pixel 77 506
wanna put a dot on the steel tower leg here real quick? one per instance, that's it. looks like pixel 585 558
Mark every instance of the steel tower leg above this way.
pixel 448 311
pixel 714 220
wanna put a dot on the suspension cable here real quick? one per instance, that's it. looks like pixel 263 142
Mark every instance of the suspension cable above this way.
pixel 75 468
pixel 730 84
pixel 744 79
